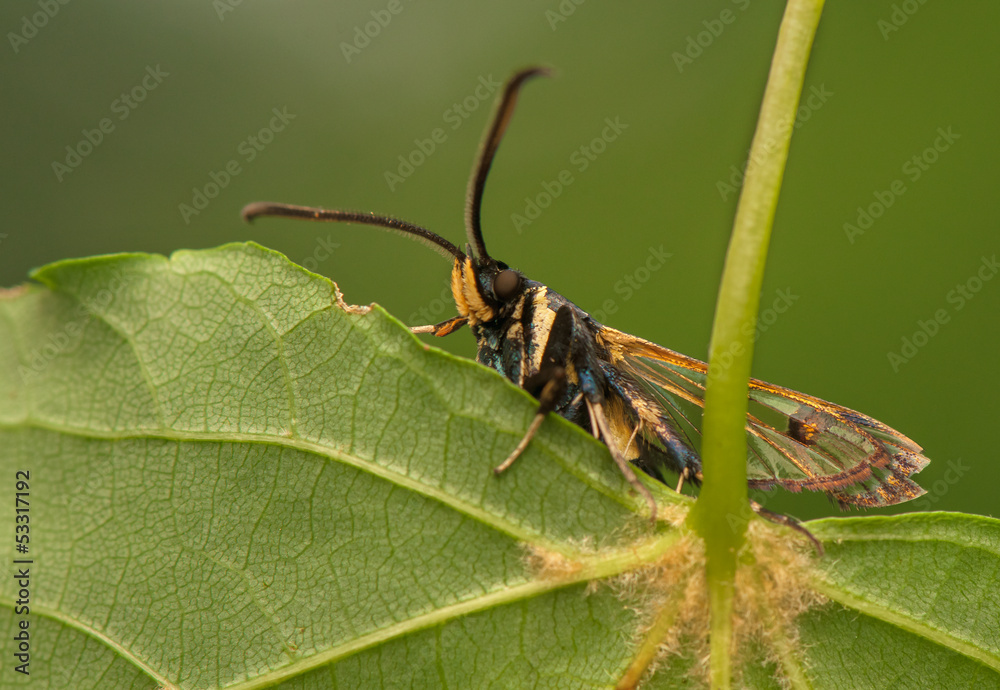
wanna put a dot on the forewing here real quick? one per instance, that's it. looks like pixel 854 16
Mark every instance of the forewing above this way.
pixel 794 440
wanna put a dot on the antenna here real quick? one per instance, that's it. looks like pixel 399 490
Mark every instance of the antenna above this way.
pixel 401 227
pixel 474 197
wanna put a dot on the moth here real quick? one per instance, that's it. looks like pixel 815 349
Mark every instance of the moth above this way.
pixel 642 400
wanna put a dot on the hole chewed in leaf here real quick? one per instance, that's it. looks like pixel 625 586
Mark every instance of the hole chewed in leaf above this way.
pixel 349 308
pixel 12 293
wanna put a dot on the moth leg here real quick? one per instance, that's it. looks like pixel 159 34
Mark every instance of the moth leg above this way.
pixel 597 413
pixel 631 439
pixel 593 421
pixel 680 479
pixel 787 521
pixel 548 384
pixel 552 392
pixel 441 329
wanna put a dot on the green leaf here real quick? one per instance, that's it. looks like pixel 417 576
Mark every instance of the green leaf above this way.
pixel 237 483
pixel 922 601
pixel 233 479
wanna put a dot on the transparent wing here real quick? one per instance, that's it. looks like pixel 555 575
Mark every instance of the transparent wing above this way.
pixel 794 440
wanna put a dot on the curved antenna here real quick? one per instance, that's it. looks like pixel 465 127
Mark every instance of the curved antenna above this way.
pixel 431 239
pixel 474 197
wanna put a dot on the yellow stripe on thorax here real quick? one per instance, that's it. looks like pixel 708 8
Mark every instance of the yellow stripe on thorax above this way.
pixel 541 325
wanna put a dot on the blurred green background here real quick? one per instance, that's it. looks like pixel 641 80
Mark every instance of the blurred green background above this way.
pixel 365 81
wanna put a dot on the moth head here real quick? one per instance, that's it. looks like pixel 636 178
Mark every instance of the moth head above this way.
pixel 482 289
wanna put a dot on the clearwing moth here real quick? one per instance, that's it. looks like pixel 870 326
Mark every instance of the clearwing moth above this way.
pixel 642 400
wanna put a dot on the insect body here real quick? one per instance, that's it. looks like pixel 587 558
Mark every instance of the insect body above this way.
pixel 643 400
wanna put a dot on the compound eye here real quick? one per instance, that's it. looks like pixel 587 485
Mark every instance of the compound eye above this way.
pixel 506 284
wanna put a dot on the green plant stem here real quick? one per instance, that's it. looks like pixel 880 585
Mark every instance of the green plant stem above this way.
pixel 721 513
